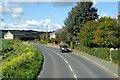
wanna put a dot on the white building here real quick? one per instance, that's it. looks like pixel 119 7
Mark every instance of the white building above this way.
pixel 8 35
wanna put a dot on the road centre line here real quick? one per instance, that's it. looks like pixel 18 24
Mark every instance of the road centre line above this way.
pixel 70 68
pixel 66 62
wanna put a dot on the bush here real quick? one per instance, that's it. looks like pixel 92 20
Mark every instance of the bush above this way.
pixel 115 55
pixel 102 53
pixel 42 42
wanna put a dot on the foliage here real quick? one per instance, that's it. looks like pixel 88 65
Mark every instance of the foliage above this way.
pixel 24 62
pixel 106 34
pixel 6 46
pixel 54 40
pixel 102 53
pixel 115 55
pixel 25 38
pixel 80 14
pixel 86 34
pixel 42 42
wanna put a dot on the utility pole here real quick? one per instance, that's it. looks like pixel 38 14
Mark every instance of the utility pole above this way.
pixel 46 33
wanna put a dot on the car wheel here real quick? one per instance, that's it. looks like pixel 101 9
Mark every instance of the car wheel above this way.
pixel 61 51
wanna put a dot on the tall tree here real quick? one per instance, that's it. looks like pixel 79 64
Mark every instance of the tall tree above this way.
pixel 80 14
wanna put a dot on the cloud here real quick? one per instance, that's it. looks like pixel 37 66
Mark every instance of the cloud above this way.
pixel 47 21
pixel 62 4
pixel 32 22
pixel 103 15
pixel 106 15
pixel 94 3
pixel 55 16
pixel 112 16
pixel 15 16
pixel 32 25
pixel 13 9
pixel 18 10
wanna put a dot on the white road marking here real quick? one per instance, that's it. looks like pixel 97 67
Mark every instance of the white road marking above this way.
pixel 75 76
pixel 70 68
pixel 65 61
pixel 62 57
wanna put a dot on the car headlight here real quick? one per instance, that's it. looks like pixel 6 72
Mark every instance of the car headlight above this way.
pixel 62 48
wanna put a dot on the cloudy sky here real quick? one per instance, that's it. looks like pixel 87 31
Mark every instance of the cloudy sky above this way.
pixel 38 15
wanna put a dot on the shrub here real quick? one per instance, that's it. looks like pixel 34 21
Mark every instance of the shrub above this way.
pixel 42 42
pixel 102 53
pixel 115 55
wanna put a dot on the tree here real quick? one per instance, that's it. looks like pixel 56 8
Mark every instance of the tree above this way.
pixel 106 34
pixel 79 15
pixel 86 34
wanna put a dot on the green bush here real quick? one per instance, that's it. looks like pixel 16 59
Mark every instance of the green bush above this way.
pixel 102 53
pixel 42 42
pixel 115 55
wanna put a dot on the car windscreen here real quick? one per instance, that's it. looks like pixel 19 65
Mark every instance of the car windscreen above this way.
pixel 64 46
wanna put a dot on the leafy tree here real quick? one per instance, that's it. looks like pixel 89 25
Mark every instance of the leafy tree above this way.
pixel 79 15
pixel 106 34
pixel 86 34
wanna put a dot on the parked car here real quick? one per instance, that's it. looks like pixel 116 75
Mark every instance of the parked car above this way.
pixel 64 48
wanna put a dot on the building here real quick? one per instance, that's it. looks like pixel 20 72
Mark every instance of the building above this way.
pixel 8 35
pixel 55 33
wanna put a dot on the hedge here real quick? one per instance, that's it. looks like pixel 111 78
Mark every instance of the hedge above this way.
pixel 115 55
pixel 42 42
pixel 102 53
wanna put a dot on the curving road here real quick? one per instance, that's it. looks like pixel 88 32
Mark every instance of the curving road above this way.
pixel 69 65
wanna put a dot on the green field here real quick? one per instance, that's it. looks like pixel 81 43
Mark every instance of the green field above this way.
pixel 20 60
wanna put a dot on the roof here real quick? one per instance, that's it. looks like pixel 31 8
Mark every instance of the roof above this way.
pixel 57 31
pixel 8 32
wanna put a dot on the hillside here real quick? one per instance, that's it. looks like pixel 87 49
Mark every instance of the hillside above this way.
pixel 17 33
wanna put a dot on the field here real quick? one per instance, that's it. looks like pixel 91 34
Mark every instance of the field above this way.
pixel 20 60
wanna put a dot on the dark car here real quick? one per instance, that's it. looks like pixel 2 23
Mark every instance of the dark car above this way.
pixel 64 48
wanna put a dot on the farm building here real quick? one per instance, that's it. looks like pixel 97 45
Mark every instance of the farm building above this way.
pixel 8 35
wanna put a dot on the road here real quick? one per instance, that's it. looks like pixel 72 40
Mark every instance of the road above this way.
pixel 69 65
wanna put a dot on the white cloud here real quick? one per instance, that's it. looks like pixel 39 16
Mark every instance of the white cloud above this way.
pixel 10 8
pixel 18 10
pixel 32 25
pixel 32 22
pixel 47 21
pixel 94 3
pixel 55 16
pixel 103 15
pixel 15 16
pixel 112 16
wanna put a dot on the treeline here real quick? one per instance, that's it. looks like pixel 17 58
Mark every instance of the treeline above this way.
pixel 84 31
pixel 83 28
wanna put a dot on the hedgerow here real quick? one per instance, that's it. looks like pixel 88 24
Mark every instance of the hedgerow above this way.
pixel 24 62
pixel 102 53
pixel 115 55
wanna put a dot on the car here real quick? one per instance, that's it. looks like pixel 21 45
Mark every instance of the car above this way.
pixel 64 48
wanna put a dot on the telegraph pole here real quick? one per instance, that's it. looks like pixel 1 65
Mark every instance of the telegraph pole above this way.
pixel 46 33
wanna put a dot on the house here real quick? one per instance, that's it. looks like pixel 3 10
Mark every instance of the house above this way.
pixel 8 35
pixel 55 33
pixel 42 36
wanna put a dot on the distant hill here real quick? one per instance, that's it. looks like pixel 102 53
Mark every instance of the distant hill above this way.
pixel 17 33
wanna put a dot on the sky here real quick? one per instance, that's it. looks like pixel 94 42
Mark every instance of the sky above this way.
pixel 38 15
